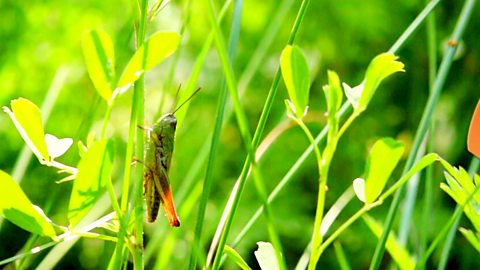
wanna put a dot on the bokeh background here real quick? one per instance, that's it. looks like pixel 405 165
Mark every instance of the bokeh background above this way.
pixel 39 39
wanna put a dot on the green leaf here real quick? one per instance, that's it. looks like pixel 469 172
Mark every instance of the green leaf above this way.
pixel 453 189
pixel 93 172
pixel 28 120
pixel 17 208
pixel 156 49
pixel 333 94
pixel 266 257
pixel 99 57
pixel 297 79
pixel 396 250
pixel 380 67
pixel 384 157
pixel 471 237
pixel 233 254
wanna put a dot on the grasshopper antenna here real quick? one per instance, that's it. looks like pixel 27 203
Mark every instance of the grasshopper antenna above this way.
pixel 191 96
pixel 176 97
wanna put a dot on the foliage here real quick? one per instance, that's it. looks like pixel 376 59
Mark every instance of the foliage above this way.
pixel 310 155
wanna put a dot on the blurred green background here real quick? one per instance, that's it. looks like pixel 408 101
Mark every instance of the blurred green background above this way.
pixel 37 38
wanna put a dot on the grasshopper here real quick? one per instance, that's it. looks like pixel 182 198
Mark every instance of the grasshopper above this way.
pixel 158 155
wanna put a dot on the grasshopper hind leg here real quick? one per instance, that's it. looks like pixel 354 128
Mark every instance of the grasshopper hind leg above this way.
pixel 152 196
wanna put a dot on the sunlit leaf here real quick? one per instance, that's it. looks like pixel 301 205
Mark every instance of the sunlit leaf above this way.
pixel 28 120
pixel 266 257
pixel 156 49
pixel 461 187
pixel 93 172
pixel 17 208
pixel 297 79
pixel 333 94
pixel 396 250
pixel 382 66
pixel 233 254
pixel 57 147
pixel 99 57
pixel 384 157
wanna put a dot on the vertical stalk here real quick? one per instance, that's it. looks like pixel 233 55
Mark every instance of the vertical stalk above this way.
pixel 429 182
pixel 138 100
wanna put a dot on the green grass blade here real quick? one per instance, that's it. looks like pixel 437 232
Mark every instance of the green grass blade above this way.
pixel 220 112
pixel 244 130
pixel 341 258
pixel 229 210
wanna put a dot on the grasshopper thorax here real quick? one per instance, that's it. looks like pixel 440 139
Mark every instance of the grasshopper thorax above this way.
pixel 166 123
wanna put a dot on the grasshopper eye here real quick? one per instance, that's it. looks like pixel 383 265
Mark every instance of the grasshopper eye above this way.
pixel 173 122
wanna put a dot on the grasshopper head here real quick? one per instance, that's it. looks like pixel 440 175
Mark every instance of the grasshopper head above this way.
pixel 166 123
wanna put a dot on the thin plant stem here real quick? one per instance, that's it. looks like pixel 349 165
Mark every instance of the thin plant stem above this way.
pixel 316 237
pixel 429 181
pixel 413 26
pixel 138 100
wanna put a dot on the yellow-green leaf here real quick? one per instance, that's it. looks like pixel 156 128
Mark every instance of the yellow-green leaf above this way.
pixel 28 120
pixel 382 66
pixel 333 93
pixel 99 57
pixel 471 237
pixel 93 172
pixel 295 73
pixel 233 254
pixel 17 208
pixel 384 157
pixel 156 49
